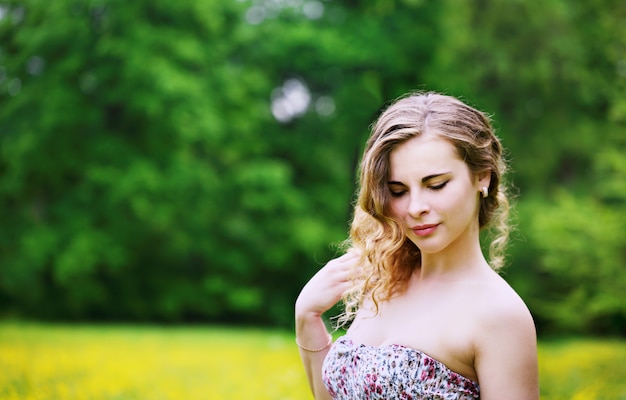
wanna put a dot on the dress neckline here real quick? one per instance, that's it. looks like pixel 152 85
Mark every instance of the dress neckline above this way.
pixel 349 342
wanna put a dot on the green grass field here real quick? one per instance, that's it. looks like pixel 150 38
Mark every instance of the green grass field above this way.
pixel 113 362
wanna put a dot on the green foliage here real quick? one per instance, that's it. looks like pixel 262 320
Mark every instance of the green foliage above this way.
pixel 581 247
pixel 144 176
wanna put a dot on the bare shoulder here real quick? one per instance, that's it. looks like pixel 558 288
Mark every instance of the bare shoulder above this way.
pixel 505 344
pixel 502 316
pixel 500 305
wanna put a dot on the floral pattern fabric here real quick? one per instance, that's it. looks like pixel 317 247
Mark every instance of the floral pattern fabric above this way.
pixel 357 371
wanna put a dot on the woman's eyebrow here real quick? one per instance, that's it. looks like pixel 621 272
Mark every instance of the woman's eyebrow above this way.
pixel 424 179
pixel 433 176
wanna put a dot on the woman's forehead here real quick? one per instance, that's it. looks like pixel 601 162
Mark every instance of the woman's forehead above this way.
pixel 424 156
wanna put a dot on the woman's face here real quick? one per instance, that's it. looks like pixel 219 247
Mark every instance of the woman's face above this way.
pixel 434 194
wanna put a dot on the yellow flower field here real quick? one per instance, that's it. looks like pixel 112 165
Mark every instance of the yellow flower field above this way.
pixel 113 362
pixel 583 369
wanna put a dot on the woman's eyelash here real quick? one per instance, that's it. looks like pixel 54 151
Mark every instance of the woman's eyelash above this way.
pixel 439 186
pixel 400 193
pixel 397 193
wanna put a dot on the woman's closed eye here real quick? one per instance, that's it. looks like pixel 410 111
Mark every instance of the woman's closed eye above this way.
pixel 397 192
pixel 438 186
pixel 396 189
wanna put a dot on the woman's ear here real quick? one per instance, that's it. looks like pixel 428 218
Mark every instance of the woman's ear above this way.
pixel 483 180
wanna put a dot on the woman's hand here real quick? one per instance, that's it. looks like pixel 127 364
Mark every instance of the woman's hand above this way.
pixel 318 295
pixel 327 286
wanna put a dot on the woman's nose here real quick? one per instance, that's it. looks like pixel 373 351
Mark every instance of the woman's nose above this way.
pixel 418 205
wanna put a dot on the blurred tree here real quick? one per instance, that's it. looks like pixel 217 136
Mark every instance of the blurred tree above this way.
pixel 124 200
pixel 193 160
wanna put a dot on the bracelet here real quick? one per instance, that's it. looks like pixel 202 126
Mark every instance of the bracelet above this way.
pixel 327 345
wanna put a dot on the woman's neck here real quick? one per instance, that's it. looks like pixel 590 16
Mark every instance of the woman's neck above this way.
pixel 459 258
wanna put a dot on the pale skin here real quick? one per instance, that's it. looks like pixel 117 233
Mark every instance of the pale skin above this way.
pixel 455 307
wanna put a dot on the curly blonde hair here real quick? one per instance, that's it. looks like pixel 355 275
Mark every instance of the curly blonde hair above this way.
pixel 388 257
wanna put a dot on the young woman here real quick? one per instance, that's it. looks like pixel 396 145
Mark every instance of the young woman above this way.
pixel 430 317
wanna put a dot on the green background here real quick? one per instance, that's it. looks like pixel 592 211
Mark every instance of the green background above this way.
pixel 194 161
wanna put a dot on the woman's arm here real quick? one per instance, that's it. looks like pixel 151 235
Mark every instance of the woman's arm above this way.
pixel 506 356
pixel 322 292
pixel 311 333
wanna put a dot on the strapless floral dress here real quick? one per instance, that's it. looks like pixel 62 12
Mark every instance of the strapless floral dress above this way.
pixel 357 371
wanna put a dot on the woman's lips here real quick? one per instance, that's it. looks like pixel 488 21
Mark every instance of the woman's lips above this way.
pixel 424 230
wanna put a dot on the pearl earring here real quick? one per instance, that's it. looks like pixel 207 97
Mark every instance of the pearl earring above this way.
pixel 485 192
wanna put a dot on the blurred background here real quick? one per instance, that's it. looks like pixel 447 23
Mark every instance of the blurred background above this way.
pixel 194 161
